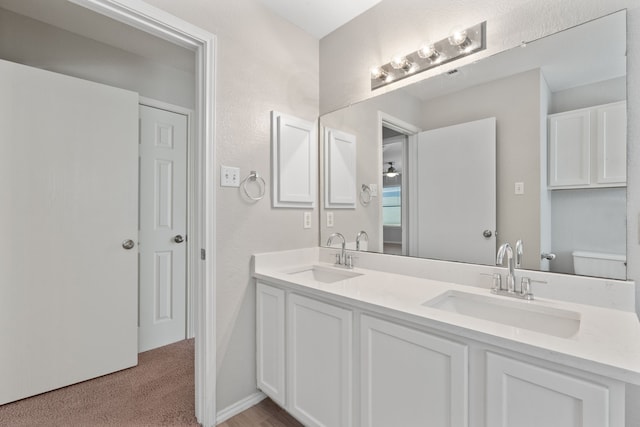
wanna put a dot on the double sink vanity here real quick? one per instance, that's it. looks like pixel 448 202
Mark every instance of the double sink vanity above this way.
pixel 407 342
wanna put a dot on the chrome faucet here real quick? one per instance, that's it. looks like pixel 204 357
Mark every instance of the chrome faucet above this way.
pixel 519 253
pixel 341 258
pixel 361 234
pixel 525 285
pixel 511 277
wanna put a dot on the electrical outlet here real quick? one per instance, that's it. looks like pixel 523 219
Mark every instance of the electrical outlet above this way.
pixel 374 190
pixel 329 219
pixel 307 220
pixel 519 188
pixel 229 176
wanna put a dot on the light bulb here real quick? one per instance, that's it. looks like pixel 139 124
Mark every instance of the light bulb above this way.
pixel 428 51
pixel 460 39
pixel 399 62
pixel 378 73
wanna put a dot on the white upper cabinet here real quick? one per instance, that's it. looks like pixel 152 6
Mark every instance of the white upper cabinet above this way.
pixel 587 147
pixel 295 162
pixel 612 143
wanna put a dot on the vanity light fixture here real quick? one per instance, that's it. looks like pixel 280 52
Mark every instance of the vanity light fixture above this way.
pixel 460 43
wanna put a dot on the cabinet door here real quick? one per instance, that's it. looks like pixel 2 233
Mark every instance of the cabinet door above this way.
pixel 319 363
pixel 411 378
pixel 569 148
pixel 270 330
pixel 612 143
pixel 524 395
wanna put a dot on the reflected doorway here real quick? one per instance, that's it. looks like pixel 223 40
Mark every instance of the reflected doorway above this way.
pixel 394 148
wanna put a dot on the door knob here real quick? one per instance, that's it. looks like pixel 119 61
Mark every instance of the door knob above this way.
pixel 128 244
pixel 487 233
pixel 178 239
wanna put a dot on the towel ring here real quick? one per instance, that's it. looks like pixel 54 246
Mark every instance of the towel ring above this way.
pixel 254 177
pixel 365 195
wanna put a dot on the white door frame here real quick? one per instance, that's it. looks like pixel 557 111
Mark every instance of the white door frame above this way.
pixel 411 131
pixel 202 180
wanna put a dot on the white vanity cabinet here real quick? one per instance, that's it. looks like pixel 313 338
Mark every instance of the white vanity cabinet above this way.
pixel 339 364
pixel 520 394
pixel 319 362
pixel 410 378
pixel 588 147
pixel 270 341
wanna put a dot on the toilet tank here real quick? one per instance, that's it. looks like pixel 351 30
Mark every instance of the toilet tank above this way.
pixel 599 264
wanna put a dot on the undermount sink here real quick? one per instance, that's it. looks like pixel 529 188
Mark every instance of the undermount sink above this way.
pixel 323 274
pixel 547 320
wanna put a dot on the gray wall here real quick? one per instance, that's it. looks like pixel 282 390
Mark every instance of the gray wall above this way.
pixel 587 220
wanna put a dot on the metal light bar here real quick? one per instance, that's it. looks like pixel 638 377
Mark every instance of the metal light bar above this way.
pixel 460 44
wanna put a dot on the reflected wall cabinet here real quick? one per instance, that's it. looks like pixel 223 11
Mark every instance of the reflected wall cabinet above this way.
pixel 588 147
pixel 339 169
pixel 294 155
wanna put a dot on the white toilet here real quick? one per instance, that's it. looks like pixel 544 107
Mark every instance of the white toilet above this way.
pixel 599 264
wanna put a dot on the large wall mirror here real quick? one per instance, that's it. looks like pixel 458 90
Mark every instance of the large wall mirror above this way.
pixel 528 144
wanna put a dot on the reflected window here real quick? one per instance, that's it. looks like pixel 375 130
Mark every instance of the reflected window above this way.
pixel 392 206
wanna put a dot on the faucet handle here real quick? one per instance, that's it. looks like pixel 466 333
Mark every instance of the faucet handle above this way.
pixel 348 262
pixel 525 288
pixel 496 280
pixel 338 259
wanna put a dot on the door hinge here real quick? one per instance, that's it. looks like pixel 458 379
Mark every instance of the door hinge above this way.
pixel 203 254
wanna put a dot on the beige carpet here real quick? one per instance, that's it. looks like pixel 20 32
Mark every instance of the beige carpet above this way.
pixel 157 392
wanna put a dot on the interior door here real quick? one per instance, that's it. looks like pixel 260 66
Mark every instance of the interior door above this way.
pixel 68 200
pixel 456 185
pixel 163 210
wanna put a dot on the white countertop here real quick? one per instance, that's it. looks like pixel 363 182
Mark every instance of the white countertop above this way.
pixel 607 342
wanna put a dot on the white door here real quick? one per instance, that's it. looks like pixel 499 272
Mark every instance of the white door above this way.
pixel 68 200
pixel 163 205
pixel 455 180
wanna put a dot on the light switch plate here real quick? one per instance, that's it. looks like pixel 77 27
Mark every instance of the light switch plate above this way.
pixel 374 190
pixel 307 220
pixel 229 176
pixel 329 219
pixel 519 188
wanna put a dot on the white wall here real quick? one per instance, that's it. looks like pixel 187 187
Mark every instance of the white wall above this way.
pixel 31 42
pixel 401 25
pixel 264 63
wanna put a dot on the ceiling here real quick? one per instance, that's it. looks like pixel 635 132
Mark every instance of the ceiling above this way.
pixel 319 17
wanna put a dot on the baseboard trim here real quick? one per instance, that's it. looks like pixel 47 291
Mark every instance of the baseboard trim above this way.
pixel 241 405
